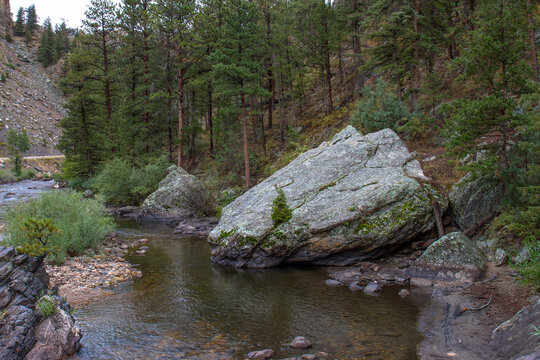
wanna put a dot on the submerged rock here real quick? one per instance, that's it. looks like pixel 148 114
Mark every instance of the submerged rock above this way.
pixel 451 258
pixel 353 198
pixel 473 200
pixel 372 288
pixel 300 342
pixel 180 194
pixel 261 355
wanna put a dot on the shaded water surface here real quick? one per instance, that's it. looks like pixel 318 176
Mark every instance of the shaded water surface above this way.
pixel 185 307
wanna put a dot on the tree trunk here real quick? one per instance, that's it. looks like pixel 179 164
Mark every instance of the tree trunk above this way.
pixel 146 88
pixel 280 105
pixel 271 87
pixel 107 89
pixel 180 74
pixel 327 66
pixel 396 61
pixel 169 104
pixel 247 173
pixel 357 50
pixel 210 120
pixel 534 58
pixel 416 56
pixel 341 72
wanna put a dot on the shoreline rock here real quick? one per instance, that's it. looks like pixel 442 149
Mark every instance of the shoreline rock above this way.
pixel 26 332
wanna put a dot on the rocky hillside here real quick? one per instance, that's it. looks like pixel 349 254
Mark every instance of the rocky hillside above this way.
pixel 5 17
pixel 28 99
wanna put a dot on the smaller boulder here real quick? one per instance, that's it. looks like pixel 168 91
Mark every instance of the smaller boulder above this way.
pixel 261 355
pixel 523 257
pixel 332 282
pixel 500 257
pixel 404 293
pixel 300 342
pixel 372 288
pixel 451 258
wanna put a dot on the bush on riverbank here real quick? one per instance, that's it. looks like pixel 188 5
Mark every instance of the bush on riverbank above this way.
pixel 122 183
pixel 8 177
pixel 82 222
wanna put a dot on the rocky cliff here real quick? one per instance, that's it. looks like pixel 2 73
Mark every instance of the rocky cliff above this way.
pixel 5 17
pixel 25 331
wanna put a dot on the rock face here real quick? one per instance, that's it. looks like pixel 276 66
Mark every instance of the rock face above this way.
pixel 451 258
pixel 471 201
pixel 513 339
pixel 23 330
pixel 353 198
pixel 5 17
pixel 180 194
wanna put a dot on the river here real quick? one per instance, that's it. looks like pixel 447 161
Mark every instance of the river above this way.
pixel 184 307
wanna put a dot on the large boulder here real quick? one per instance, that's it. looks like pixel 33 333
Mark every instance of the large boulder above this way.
pixel 473 200
pixel 454 257
pixel 353 198
pixel 6 22
pixel 180 194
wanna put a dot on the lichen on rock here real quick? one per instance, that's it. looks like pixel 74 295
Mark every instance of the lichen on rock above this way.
pixel 355 197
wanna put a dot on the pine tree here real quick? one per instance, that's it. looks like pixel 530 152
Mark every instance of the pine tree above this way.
pixel 62 42
pixel 18 29
pixel 238 62
pixel 31 20
pixel 46 52
pixel 84 129
pixel 495 59
pixel 176 18
pixel 101 23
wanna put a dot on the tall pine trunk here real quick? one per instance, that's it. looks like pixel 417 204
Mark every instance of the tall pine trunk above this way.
pixel 107 88
pixel 180 75
pixel 357 50
pixel 247 172
pixel 210 120
pixel 416 56
pixel 534 58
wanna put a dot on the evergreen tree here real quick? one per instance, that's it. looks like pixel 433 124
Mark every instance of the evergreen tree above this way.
pixel 17 144
pixel 31 20
pixel 238 62
pixel 46 52
pixel 84 129
pixel 62 43
pixel 101 23
pixel 19 28
pixel 176 18
pixel 495 59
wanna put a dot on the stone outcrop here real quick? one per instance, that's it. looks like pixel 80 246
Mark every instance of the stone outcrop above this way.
pixel 24 332
pixel 515 338
pixel 6 23
pixel 353 198
pixel 451 258
pixel 473 200
pixel 180 194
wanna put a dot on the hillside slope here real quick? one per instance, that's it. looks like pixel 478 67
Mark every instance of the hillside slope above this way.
pixel 28 99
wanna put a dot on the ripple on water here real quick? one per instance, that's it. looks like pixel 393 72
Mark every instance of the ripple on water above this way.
pixel 184 307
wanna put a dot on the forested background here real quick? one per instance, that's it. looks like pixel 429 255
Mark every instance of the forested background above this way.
pixel 233 90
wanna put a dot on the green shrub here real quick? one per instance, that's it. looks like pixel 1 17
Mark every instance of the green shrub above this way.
pixel 81 221
pixel 281 212
pixel 47 305
pixel 124 184
pixel 6 177
pixel 25 174
pixel 379 109
pixel 38 232
pixel 530 271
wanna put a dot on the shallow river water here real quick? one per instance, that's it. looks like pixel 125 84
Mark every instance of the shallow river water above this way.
pixel 184 307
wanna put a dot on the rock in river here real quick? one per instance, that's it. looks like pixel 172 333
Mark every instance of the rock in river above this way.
pixel 180 194
pixel 353 198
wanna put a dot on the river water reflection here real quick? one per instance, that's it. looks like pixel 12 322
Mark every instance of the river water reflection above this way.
pixel 186 308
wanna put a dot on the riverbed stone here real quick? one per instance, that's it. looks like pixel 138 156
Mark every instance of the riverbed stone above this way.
pixel 472 200
pixel 372 288
pixel 356 197
pixel 180 194
pixel 300 342
pixel 454 257
pixel 261 355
